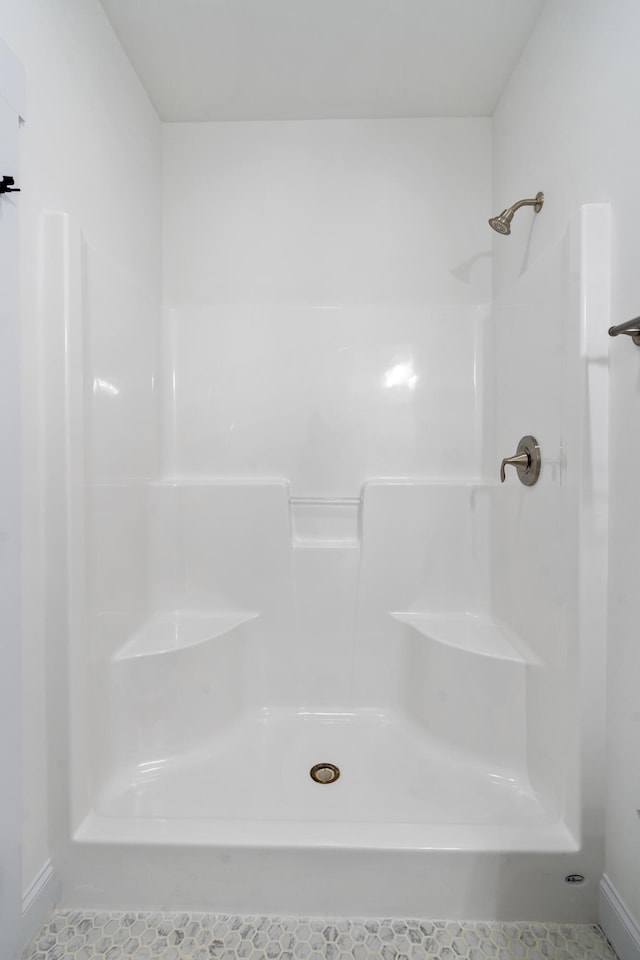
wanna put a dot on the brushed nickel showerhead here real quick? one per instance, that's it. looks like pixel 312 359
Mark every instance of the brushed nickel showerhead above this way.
pixel 502 223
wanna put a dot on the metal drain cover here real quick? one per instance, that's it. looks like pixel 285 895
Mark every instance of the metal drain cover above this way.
pixel 324 773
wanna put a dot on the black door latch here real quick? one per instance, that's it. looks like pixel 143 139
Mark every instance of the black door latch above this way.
pixel 7 185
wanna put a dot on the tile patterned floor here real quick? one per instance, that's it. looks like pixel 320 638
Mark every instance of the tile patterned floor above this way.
pixel 72 935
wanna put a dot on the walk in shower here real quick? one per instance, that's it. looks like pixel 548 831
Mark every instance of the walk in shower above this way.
pixel 289 545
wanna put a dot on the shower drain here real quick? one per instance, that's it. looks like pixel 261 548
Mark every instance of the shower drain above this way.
pixel 324 773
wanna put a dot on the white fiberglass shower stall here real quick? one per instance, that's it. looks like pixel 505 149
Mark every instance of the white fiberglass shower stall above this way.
pixel 285 541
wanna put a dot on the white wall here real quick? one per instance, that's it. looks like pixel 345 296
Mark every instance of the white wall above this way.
pixel 345 253
pixel 326 212
pixel 567 124
pixel 91 148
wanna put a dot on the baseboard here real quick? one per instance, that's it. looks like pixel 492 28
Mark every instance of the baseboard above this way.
pixel 620 928
pixel 38 901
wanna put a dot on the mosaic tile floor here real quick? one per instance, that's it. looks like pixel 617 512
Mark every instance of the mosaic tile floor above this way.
pixel 173 936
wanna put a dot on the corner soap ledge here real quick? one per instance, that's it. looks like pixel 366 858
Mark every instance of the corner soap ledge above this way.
pixel 179 630
pixel 475 633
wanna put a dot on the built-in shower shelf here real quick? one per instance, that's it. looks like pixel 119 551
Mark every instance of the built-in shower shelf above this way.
pixel 475 633
pixel 179 630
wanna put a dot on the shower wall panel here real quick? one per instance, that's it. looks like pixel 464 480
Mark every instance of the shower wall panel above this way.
pixel 121 454
pixel 121 343
pixel 325 282
pixel 548 546
pixel 328 397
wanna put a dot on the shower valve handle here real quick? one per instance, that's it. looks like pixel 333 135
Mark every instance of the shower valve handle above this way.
pixel 520 461
pixel 527 462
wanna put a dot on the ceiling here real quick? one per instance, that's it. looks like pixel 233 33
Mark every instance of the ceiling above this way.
pixel 307 59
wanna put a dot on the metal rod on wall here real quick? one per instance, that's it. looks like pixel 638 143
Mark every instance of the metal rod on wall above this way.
pixel 631 328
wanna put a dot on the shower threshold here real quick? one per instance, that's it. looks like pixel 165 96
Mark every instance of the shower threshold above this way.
pixel 250 786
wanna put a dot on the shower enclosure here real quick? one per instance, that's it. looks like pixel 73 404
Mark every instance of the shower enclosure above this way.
pixel 287 543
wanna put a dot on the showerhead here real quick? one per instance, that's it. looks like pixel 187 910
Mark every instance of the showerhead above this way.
pixel 502 223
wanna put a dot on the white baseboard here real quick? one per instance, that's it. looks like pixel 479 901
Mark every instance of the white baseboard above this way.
pixel 38 901
pixel 620 928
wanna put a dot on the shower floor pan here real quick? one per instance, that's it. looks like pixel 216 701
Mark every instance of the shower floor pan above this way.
pixel 251 786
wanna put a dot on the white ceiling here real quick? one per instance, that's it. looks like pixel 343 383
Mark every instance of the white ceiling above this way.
pixel 307 59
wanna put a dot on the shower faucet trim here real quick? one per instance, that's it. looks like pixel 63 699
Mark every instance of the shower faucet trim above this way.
pixel 527 461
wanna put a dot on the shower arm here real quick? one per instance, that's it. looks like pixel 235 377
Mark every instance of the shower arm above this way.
pixel 631 328
pixel 535 202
